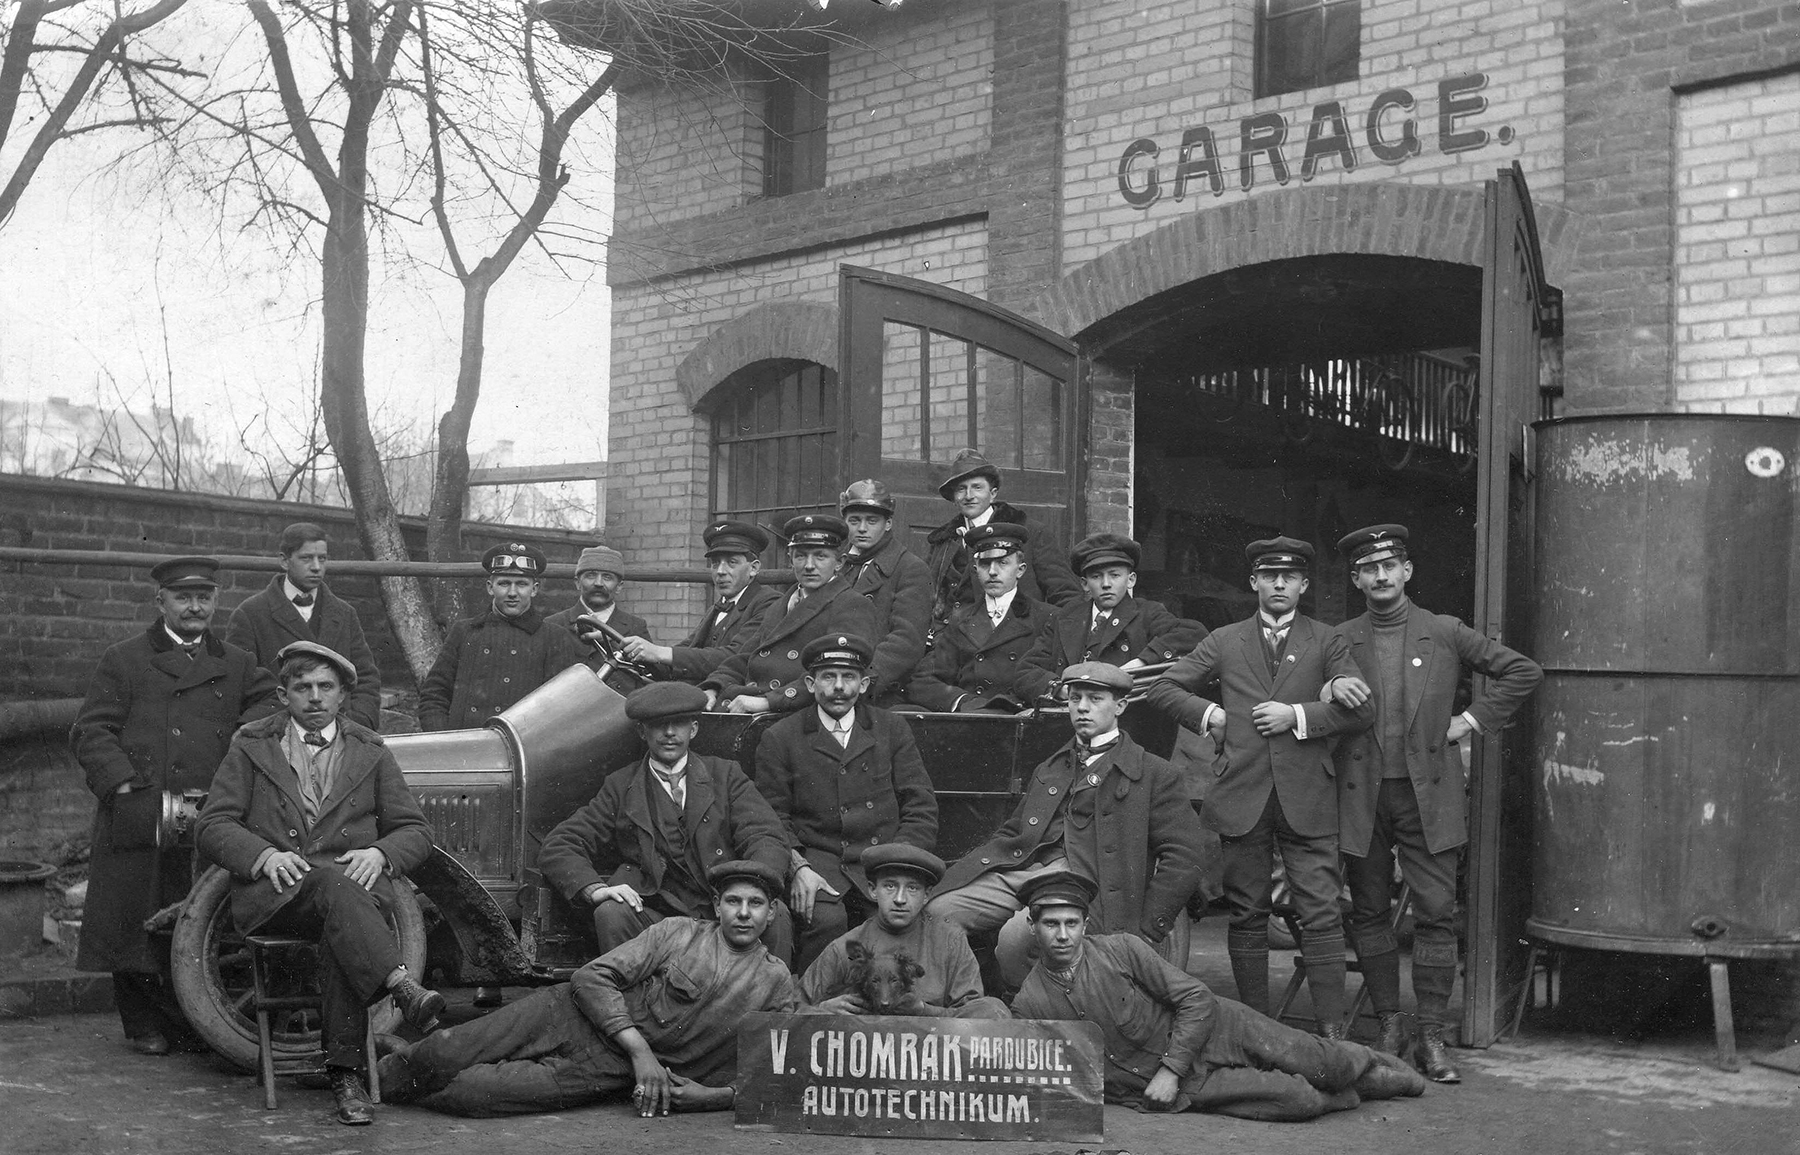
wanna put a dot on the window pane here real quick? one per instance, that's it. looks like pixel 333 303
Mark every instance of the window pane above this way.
pixel 1341 49
pixel 950 387
pixel 1043 410
pixel 1307 44
pixel 997 381
pixel 775 443
pixel 901 402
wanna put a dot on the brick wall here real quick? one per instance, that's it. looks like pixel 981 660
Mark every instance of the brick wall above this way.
pixel 685 151
pixel 1737 247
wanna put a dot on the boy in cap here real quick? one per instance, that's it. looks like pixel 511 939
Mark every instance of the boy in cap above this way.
pixel 766 673
pixel 599 572
pixel 639 851
pixel 1109 625
pixel 975 658
pixel 973 486
pixel 1400 783
pixel 298 606
pixel 1275 785
pixel 655 1020
pixel 493 659
pixel 740 606
pixel 330 874
pixel 1171 1044
pixel 1101 804
pixel 159 714
pixel 947 981
pixel 895 581
pixel 843 776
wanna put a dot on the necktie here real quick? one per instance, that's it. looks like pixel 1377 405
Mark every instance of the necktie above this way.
pixel 190 648
pixel 1276 635
pixel 312 739
pixel 841 731
pixel 723 607
pixel 304 599
pixel 677 785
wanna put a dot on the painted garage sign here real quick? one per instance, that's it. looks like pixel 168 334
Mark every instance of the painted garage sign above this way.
pixel 1393 128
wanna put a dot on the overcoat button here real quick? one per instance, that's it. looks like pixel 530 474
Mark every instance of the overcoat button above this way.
pixel 986 861
pixel 1052 789
pixel 175 730
pixel 293 834
pixel 1018 854
pixel 869 805
pixel 789 691
pixel 774 683
pixel 793 655
pixel 875 840
pixel 762 653
pixel 1033 821
pixel 504 681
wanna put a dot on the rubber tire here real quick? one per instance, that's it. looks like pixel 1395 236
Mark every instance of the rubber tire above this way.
pixel 204 929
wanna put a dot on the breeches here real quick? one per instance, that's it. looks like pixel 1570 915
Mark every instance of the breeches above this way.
pixel 1312 873
pixel 1399 829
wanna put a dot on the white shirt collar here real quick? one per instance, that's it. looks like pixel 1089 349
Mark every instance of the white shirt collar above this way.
pixel 1269 624
pixel 986 516
pixel 830 723
pixel 178 639
pixel 998 606
pixel 293 591
pixel 298 732
pixel 604 615
pixel 666 775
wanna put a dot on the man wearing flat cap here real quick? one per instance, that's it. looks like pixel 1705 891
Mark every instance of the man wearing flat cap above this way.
pixel 1401 782
pixel 972 485
pixel 1110 624
pixel 654 1021
pixel 1275 785
pixel 493 659
pixel 312 817
pixel 938 970
pixel 765 673
pixel 639 851
pixel 976 656
pixel 893 578
pixel 1102 805
pixel 1171 1044
pixel 158 716
pixel 599 572
pixel 843 776
pixel 740 606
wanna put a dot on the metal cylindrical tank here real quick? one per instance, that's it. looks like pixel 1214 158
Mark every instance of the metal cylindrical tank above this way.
pixel 1667 618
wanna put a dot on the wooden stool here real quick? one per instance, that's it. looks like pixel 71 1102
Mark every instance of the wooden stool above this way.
pixel 265 951
pixel 1288 915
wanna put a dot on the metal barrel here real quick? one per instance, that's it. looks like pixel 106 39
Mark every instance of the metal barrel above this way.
pixel 1667 592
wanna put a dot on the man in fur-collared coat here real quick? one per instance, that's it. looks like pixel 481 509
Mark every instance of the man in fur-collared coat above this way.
pixel 973 486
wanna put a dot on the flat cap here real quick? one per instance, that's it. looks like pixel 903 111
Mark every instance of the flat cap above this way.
pixel 604 558
pixel 1061 887
pixel 515 557
pixel 968 464
pixel 1104 549
pixel 1282 553
pixel 1373 543
pixel 867 494
pixel 743 870
pixel 665 700
pixel 815 529
pixel 837 650
pixel 344 666
pixel 182 572
pixel 892 856
pixel 734 537
pixel 1101 674
pixel 996 539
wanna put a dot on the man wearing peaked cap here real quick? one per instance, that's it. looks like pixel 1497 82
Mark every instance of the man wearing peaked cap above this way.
pixel 843 776
pixel 1274 786
pixel 740 606
pixel 1110 624
pixel 764 672
pixel 975 658
pixel 599 572
pixel 492 660
pixel 1400 783
pixel 894 579
pixel 972 485
pixel 641 850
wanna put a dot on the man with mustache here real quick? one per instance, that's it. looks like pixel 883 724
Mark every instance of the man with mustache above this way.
pixel 740 607
pixel 599 572
pixel 158 717
pixel 492 660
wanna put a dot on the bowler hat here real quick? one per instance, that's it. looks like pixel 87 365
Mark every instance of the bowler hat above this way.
pixel 837 650
pixel 743 870
pixel 1374 543
pixel 182 572
pixel 1279 553
pixel 815 529
pixel 867 494
pixel 1104 549
pixel 1061 887
pixel 339 662
pixel 661 700
pixel 515 557
pixel 734 537
pixel 1101 674
pixel 968 464
pixel 893 856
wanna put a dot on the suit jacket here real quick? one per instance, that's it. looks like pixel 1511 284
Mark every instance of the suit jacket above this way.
pixel 1047 577
pixel 898 585
pixel 254 806
pixel 970 658
pixel 159 720
pixel 488 663
pixel 837 801
pixel 1299 772
pixel 702 651
pixel 1136 628
pixel 769 664
pixel 612 840
pixel 1438 649
pixel 266 621
pixel 627 624
pixel 1150 839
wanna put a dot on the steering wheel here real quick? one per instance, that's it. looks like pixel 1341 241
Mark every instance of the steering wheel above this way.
pixel 610 644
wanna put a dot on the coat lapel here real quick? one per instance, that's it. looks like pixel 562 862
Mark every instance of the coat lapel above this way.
pixel 1116 622
pixel 809 608
pixel 360 760
pixel 1254 657
pixel 1416 665
pixel 1299 639
pixel 267 756
pixel 699 799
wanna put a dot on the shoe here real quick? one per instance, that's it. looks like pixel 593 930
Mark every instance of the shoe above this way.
pixel 1389 1078
pixel 418 1006
pixel 1434 1057
pixel 1392 1039
pixel 154 1043
pixel 353 1107
pixel 1333 1031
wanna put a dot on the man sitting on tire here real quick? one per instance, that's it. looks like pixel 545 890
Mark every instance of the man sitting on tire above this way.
pixel 311 816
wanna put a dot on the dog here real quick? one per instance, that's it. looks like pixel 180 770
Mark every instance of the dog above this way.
pixel 884 982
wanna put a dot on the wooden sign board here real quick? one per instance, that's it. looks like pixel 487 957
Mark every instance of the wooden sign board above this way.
pixel 921 1078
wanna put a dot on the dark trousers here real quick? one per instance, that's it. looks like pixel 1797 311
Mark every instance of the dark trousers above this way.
pixel 1253 1067
pixel 1311 864
pixel 831 919
pixel 147 1006
pixel 1400 830
pixel 357 952
pixel 539 1053
pixel 615 923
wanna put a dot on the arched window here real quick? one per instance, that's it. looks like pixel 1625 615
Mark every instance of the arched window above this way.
pixel 775 442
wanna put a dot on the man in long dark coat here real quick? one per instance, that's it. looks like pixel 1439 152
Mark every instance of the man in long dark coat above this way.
pixel 740 607
pixel 880 568
pixel 976 657
pixel 973 486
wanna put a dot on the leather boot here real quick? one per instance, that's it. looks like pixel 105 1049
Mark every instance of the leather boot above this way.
pixel 1333 1030
pixel 1434 1056
pixel 1389 1078
pixel 353 1107
pixel 418 1006
pixel 1392 1039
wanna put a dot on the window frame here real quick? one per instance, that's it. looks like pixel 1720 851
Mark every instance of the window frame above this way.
pixel 1321 74
pixel 794 151
pixel 726 407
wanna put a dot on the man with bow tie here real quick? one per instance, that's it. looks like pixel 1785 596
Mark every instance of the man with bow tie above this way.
pixel 1275 785
pixel 298 606
pixel 975 659
pixel 639 851
pixel 1102 805
pixel 734 553
pixel 158 716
